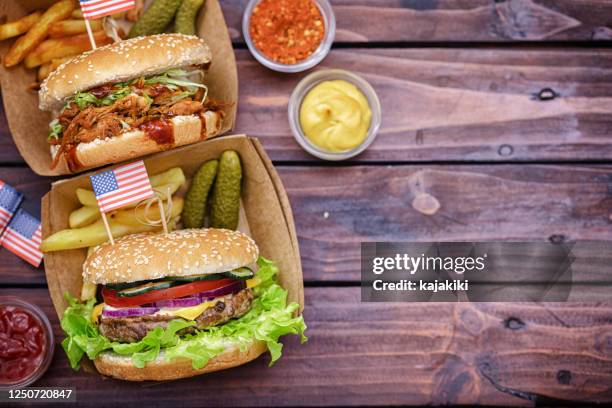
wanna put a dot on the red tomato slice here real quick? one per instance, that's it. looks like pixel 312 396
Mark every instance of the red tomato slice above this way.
pixel 111 298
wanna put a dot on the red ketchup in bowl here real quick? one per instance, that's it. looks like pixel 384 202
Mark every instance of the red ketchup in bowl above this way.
pixel 25 343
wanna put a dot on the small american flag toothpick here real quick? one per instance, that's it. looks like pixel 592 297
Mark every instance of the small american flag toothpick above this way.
pixel 127 184
pixel 9 202
pixel 93 9
pixel 23 237
pixel 122 186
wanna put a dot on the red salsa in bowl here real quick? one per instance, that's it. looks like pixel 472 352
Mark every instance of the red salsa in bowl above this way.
pixel 26 343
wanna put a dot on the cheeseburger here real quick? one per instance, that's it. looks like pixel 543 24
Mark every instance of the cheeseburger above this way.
pixel 129 99
pixel 177 305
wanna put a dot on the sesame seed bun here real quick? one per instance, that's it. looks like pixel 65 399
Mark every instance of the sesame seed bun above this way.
pixel 141 56
pixel 179 253
pixel 135 143
pixel 121 367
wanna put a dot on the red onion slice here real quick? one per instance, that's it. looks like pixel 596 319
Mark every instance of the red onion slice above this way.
pixel 230 288
pixel 180 302
pixel 129 311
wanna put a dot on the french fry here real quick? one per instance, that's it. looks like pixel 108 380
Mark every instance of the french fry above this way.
pixel 18 27
pixel 135 216
pixel 83 216
pixel 174 175
pixel 95 234
pixel 86 197
pixel 77 14
pixel 88 291
pixel 62 47
pixel 38 32
pixel 91 235
pixel 43 72
pixel 66 28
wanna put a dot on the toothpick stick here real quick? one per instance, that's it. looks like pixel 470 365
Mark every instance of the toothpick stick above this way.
pixel 162 214
pixel 107 227
pixel 92 40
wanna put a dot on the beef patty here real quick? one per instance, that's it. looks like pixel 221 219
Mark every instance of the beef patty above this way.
pixel 132 329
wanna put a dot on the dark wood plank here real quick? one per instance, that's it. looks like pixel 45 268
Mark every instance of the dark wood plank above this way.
pixel 393 354
pixel 458 21
pixel 335 208
pixel 441 104
pixel 448 104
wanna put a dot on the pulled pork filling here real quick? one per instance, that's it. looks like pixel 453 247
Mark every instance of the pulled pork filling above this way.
pixel 111 109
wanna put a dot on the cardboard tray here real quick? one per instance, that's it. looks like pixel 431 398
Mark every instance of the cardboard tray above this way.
pixel 29 125
pixel 264 200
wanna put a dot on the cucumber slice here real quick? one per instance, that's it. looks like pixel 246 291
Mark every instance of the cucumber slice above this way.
pixel 243 273
pixel 147 287
pixel 127 285
pixel 193 278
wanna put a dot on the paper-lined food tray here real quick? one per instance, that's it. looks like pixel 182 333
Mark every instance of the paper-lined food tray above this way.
pixel 265 213
pixel 29 126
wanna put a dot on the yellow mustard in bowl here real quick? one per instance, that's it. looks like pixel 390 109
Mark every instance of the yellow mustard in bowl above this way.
pixel 335 116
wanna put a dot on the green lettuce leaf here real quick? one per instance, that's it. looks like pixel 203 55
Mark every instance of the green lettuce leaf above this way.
pixel 55 129
pixel 269 318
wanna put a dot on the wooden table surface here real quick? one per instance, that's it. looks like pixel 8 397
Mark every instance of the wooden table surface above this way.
pixel 460 85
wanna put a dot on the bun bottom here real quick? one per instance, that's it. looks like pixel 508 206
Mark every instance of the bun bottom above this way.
pixel 121 367
pixel 135 143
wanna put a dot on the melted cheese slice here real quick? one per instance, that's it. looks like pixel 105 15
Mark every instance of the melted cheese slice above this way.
pixel 252 282
pixel 191 313
pixel 96 312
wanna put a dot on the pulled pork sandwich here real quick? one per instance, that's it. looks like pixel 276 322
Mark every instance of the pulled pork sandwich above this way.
pixel 177 305
pixel 129 99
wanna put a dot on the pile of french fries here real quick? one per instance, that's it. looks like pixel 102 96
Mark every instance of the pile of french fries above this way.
pixel 51 37
pixel 87 228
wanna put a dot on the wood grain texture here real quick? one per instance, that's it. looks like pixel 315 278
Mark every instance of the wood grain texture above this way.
pixel 448 104
pixel 458 21
pixel 394 354
pixel 335 208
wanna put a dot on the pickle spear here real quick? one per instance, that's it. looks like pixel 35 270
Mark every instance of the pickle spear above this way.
pixel 156 18
pixel 185 20
pixel 226 192
pixel 195 202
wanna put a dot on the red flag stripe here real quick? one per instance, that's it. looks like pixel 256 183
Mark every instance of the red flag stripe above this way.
pixel 15 236
pixel 109 199
pixel 107 10
pixel 32 260
pixel 136 173
pixel 21 244
pixel 130 182
pixel 132 196
pixel 127 200
pixel 96 5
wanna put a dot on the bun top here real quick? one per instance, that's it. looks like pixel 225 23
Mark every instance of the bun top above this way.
pixel 141 56
pixel 178 253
